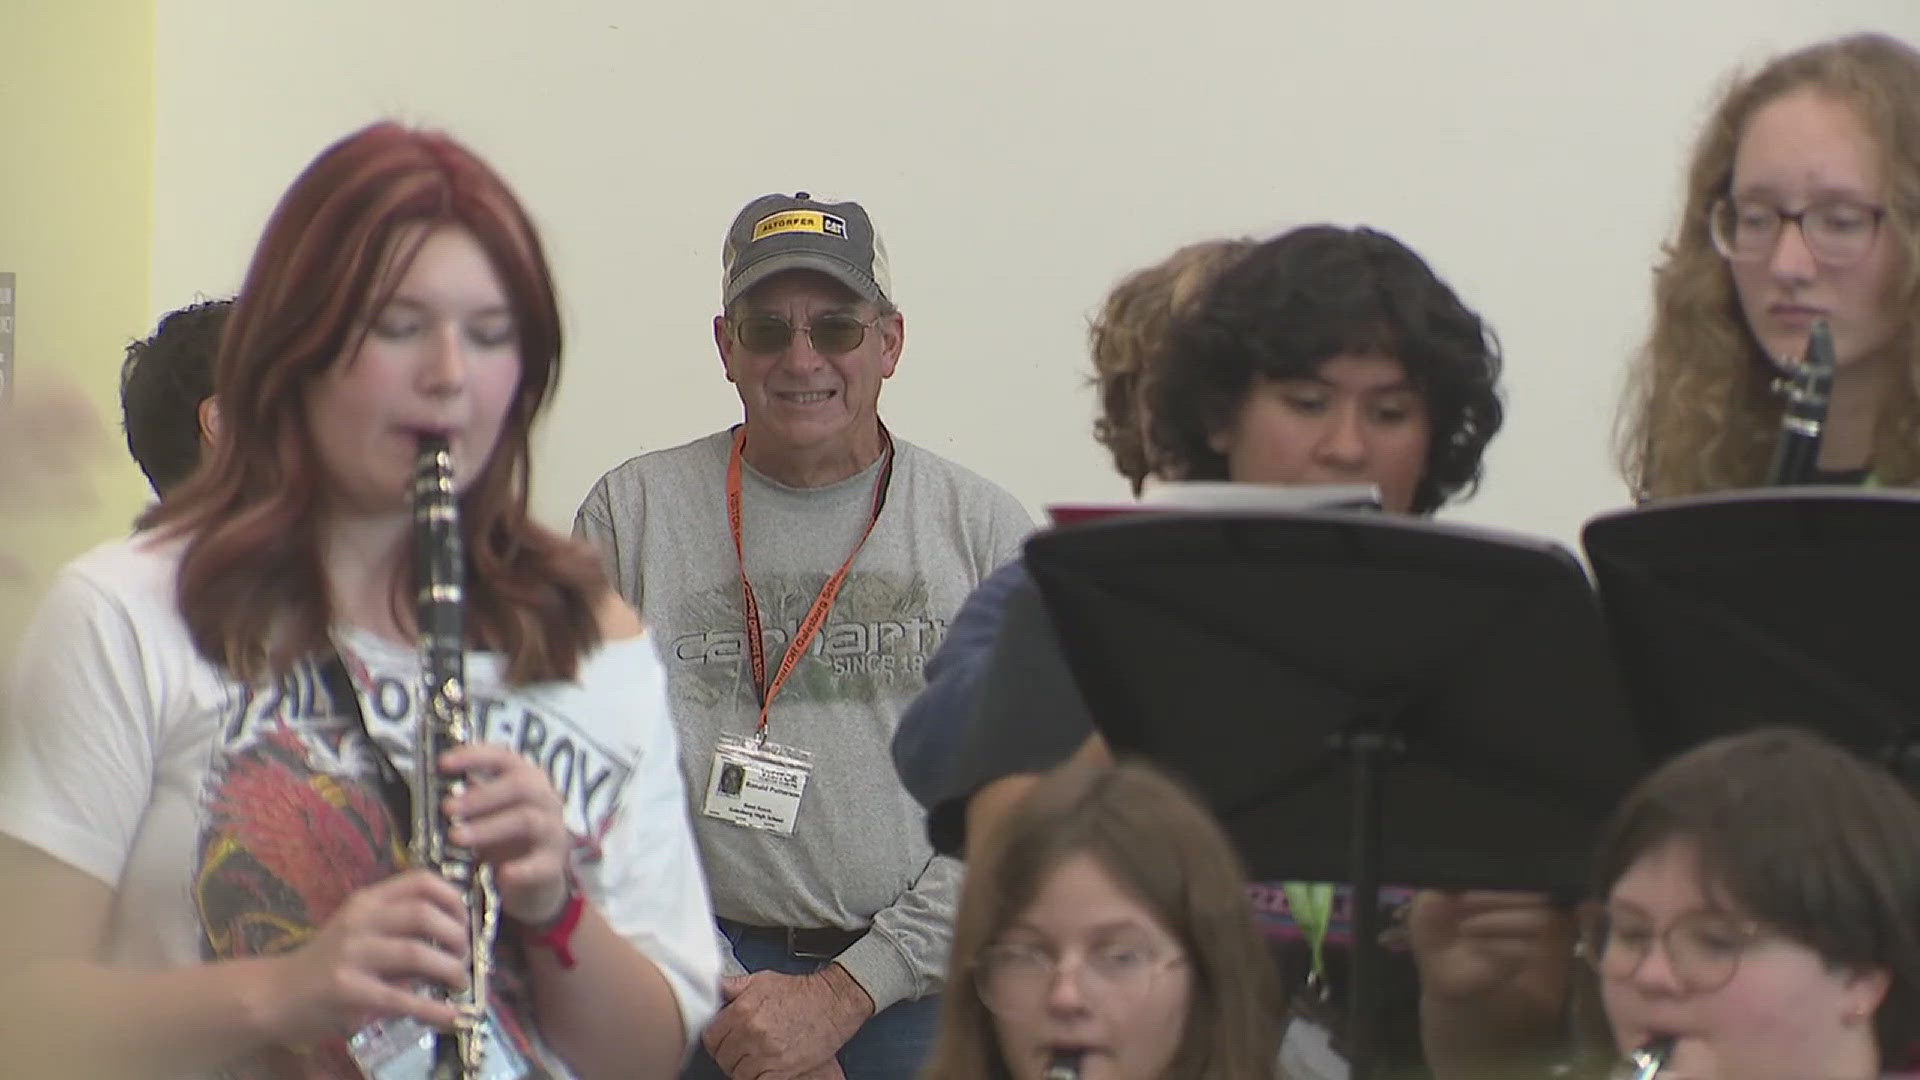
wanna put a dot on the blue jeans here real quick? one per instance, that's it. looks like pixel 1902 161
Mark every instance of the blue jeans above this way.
pixel 893 1045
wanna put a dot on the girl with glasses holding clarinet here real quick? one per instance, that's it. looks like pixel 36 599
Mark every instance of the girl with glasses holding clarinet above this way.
pixel 1802 207
pixel 1801 222
pixel 1762 905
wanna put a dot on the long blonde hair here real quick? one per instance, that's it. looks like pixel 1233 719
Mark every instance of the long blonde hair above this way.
pixel 1700 414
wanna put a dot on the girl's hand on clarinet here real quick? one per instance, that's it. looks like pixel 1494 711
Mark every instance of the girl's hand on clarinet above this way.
pixel 370 960
pixel 514 821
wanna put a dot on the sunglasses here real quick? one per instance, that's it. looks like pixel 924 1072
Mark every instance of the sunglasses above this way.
pixel 831 335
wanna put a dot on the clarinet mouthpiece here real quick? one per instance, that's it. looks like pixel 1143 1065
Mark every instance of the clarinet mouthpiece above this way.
pixel 1065 1065
pixel 1652 1056
pixel 1796 456
pixel 1820 346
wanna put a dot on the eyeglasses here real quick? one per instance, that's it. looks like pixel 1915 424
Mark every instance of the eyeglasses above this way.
pixel 831 335
pixel 1013 979
pixel 1839 232
pixel 1703 948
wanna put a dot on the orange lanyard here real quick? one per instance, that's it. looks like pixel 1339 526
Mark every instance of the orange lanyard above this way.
pixel 817 614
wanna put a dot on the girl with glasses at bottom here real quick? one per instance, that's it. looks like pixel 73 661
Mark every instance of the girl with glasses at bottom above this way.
pixel 1106 922
pixel 1802 205
pixel 1760 907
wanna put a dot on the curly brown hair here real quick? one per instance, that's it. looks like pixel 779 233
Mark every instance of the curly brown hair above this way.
pixel 1131 333
pixel 1292 303
pixel 1699 413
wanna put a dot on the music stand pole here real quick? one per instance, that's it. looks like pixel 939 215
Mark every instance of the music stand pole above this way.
pixel 1367 749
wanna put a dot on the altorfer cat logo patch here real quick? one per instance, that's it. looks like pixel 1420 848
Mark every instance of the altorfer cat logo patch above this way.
pixel 792 221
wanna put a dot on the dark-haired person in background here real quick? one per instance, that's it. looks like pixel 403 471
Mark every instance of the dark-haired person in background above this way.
pixel 166 393
pixel 1325 355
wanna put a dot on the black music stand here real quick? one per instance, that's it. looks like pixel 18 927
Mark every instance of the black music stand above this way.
pixel 1359 698
pixel 1780 605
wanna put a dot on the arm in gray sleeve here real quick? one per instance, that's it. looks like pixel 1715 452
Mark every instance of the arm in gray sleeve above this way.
pixel 610 531
pixel 1011 527
pixel 593 522
pixel 904 953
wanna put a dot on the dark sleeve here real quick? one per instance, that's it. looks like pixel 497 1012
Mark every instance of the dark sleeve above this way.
pixel 935 723
pixel 999 701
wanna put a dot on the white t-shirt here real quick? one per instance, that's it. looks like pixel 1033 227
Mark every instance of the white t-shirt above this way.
pixel 231 821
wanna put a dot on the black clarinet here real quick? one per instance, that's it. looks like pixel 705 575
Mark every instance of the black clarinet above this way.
pixel 1064 1066
pixel 1796 460
pixel 440 576
pixel 1646 1062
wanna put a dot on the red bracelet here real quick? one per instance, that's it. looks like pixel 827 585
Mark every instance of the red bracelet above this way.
pixel 557 935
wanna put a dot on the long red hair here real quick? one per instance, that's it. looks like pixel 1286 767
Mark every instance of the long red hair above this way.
pixel 251 585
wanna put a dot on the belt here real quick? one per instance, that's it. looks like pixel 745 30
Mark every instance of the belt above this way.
pixel 805 943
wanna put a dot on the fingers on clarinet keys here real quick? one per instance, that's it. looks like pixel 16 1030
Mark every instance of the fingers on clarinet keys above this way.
pixel 421 922
pixel 372 957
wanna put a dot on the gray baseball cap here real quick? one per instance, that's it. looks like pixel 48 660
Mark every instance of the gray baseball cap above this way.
pixel 776 233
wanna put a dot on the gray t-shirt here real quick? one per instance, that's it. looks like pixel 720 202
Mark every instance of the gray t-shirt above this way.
pixel 858 856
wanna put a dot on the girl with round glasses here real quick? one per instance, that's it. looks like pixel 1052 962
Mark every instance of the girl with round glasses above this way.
pixel 1106 923
pixel 1760 907
pixel 1802 206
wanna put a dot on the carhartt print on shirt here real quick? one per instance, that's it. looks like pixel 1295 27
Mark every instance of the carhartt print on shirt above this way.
pixel 875 642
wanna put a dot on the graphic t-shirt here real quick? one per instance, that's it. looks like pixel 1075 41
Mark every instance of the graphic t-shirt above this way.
pixel 232 821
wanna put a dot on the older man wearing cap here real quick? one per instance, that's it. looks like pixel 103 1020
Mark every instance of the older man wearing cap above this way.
pixel 797 570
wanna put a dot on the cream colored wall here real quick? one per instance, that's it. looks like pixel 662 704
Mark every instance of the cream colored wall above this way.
pixel 1020 156
pixel 76 172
